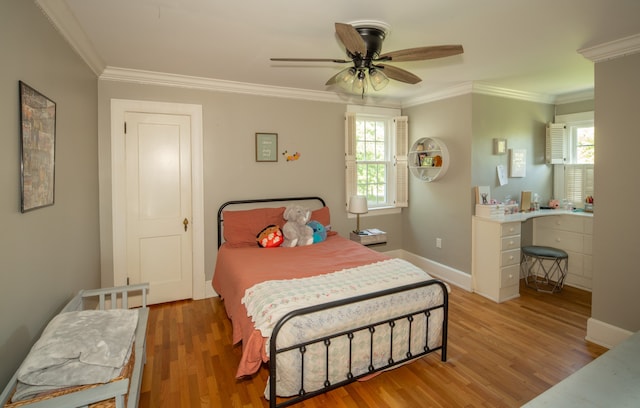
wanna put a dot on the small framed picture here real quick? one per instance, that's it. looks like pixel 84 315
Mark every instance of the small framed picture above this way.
pixel 421 157
pixel 266 147
pixel 427 161
pixel 499 146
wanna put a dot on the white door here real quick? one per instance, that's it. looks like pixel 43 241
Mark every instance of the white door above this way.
pixel 159 229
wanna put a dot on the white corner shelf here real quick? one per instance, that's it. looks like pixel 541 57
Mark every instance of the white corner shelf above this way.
pixel 428 159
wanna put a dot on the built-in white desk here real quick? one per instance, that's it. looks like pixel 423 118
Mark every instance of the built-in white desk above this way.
pixel 496 244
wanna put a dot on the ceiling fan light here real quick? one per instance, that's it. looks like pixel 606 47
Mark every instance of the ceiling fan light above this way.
pixel 345 78
pixel 360 83
pixel 378 79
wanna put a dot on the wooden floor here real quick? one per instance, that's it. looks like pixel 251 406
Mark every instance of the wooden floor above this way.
pixel 500 355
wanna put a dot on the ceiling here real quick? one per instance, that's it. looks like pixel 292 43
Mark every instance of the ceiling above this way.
pixel 524 46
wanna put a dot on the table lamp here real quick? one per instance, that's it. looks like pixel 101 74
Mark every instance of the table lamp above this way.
pixel 357 206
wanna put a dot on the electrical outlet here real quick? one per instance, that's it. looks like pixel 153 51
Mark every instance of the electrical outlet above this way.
pixel 438 242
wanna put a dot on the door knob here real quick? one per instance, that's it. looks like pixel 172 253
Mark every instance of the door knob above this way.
pixel 185 222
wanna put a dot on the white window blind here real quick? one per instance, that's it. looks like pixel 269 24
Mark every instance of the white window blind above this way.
pixel 578 183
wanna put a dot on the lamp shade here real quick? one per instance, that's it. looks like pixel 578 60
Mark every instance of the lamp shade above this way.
pixel 358 204
pixel 378 79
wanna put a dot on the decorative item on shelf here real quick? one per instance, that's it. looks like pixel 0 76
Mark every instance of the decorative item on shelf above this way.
pixel 426 161
pixel 437 161
pixel 357 206
pixel 420 147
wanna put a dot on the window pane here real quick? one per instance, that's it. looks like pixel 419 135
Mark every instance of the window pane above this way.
pixel 585 149
pixel 372 160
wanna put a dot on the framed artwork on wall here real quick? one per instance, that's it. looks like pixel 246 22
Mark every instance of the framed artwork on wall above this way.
pixel 499 146
pixel 266 147
pixel 37 148
pixel 518 162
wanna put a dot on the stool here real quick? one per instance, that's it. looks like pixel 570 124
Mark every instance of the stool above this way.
pixel 541 277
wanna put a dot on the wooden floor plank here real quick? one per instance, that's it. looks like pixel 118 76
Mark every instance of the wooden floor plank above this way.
pixel 500 355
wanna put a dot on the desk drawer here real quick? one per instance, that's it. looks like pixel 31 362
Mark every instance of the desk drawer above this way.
pixel 512 242
pixel 569 223
pixel 569 241
pixel 511 257
pixel 511 228
pixel 510 276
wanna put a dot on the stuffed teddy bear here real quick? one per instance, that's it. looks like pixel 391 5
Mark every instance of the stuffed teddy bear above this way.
pixel 296 231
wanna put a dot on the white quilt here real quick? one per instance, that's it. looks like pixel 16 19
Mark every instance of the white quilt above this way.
pixel 268 301
pixel 78 348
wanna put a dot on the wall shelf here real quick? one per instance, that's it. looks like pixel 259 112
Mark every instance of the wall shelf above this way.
pixel 429 159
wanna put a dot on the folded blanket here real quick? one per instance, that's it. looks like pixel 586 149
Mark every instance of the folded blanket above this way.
pixel 78 348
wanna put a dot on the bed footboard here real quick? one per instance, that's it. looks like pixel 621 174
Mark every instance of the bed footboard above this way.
pixel 431 314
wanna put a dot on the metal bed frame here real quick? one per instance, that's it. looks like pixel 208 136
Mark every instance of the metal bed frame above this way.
pixel 349 377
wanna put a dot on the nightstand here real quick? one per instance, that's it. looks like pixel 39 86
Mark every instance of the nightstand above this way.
pixel 369 237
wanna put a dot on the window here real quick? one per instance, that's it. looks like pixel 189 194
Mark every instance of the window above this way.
pixel 575 181
pixel 376 159
pixel 581 143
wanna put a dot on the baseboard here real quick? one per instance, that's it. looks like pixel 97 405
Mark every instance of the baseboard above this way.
pixel 605 334
pixel 435 269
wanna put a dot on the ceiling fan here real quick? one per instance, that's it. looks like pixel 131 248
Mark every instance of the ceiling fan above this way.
pixel 363 43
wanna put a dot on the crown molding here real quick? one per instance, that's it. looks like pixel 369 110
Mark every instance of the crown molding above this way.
pixel 208 84
pixel 584 95
pixel 488 89
pixel 612 49
pixel 479 88
pixel 67 25
pixel 449 92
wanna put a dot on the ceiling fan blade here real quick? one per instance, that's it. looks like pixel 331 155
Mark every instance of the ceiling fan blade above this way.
pixel 340 61
pixel 422 53
pixel 351 39
pixel 399 74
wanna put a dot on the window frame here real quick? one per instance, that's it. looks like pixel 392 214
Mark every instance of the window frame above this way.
pixel 395 162
pixel 563 172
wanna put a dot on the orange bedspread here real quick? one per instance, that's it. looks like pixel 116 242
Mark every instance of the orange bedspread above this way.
pixel 238 269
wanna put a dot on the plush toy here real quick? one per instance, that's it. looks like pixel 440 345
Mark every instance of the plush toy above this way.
pixel 270 237
pixel 296 231
pixel 319 231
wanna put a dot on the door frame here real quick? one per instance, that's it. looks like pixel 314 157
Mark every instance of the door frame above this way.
pixel 118 182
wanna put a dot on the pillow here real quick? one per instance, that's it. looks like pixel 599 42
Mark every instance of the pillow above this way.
pixel 323 216
pixel 270 237
pixel 240 228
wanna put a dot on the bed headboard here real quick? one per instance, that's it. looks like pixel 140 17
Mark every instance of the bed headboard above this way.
pixel 259 200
